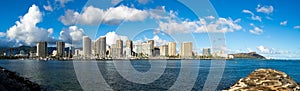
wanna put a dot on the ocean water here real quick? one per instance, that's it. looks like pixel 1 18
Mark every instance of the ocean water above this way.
pixel 61 75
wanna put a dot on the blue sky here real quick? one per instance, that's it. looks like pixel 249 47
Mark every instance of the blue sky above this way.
pixel 270 28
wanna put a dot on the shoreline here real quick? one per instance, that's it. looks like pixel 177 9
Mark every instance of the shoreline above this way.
pixel 11 81
pixel 1 86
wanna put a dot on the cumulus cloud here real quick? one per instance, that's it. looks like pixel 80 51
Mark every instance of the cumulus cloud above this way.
pixel 69 18
pixel 2 34
pixel 283 23
pixel 265 9
pixel 114 2
pixel 158 41
pixel 296 27
pixel 25 29
pixel 112 37
pixel 144 1
pixel 72 35
pixel 256 30
pixel 48 7
pixel 249 50
pixel 93 16
pixel 253 16
pixel 158 13
pixel 63 2
pixel 267 50
pixel 221 25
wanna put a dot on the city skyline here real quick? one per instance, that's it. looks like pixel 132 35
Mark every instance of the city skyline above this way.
pixel 268 28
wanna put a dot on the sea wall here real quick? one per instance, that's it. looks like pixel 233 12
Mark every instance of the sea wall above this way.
pixel 10 81
pixel 266 80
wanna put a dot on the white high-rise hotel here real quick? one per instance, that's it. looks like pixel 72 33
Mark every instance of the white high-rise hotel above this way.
pixel 60 46
pixel 172 49
pixel 186 50
pixel 42 49
pixel 164 50
pixel 145 49
pixel 87 50
pixel 101 47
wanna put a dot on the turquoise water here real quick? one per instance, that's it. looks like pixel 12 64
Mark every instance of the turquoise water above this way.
pixel 60 75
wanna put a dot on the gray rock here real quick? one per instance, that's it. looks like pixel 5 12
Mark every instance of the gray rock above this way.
pixel 266 80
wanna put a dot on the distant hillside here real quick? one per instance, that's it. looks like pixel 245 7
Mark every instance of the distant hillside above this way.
pixel 17 50
pixel 248 55
pixel 26 49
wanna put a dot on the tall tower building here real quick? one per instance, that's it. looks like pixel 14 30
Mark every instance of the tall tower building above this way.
pixel 186 50
pixel 87 50
pixel 129 48
pixel 172 49
pixel 42 49
pixel 60 46
pixel 164 50
pixel 151 42
pixel 114 51
pixel 147 49
pixel 119 45
pixel 102 47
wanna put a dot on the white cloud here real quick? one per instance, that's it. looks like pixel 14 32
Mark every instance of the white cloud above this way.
pixel 158 41
pixel 296 27
pixel 283 23
pixel 114 15
pixel 265 9
pixel 69 18
pixel 112 37
pixel 249 50
pixel 144 1
pixel 267 50
pixel 210 17
pixel 158 13
pixel 256 30
pixel 200 26
pixel 63 2
pixel 48 7
pixel 72 35
pixel 2 34
pixel 114 2
pixel 253 16
pixel 25 29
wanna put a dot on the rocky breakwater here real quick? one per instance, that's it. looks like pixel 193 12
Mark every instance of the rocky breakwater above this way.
pixel 10 81
pixel 266 80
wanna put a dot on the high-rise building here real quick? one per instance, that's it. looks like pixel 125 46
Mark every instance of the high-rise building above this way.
pixel 87 50
pixel 120 47
pixel 100 47
pixel 42 49
pixel 206 52
pixel 93 48
pixel 115 51
pixel 129 48
pixel 186 50
pixel 102 52
pixel 151 42
pixel 164 50
pixel 147 49
pixel 60 46
pixel 172 48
